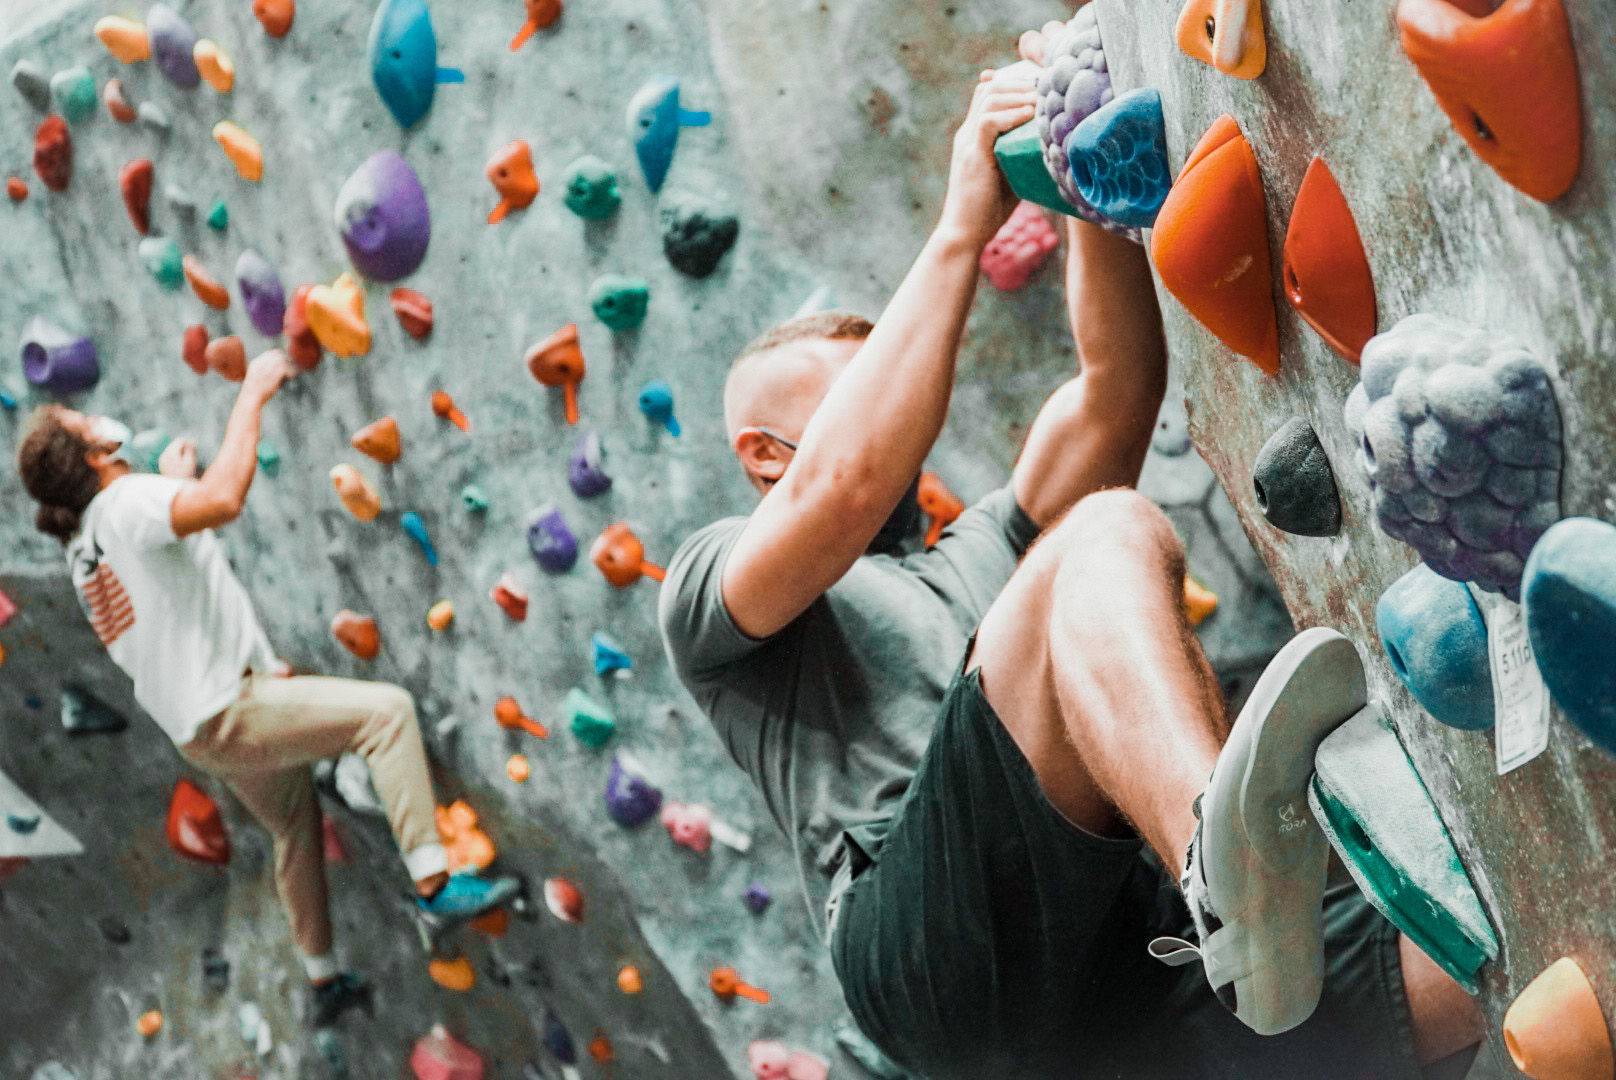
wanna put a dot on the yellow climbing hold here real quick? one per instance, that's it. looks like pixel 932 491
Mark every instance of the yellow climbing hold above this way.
pixel 440 615
pixel 242 149
pixel 1226 34
pixel 336 314
pixel 124 38
pixel 1199 601
pixel 216 67
pixel 150 1023
pixel 456 974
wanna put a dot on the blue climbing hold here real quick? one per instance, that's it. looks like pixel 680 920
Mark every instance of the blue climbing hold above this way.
pixel 1569 595
pixel 1436 639
pixel 8 400
pixel 656 402
pixel 23 823
pixel 173 44
pixel 551 541
pixel 631 798
pixel 1118 156
pixel 412 524
pixel 558 1040
pixel 757 898
pixel 404 59
pixel 608 655
pixel 654 120
pixel 85 714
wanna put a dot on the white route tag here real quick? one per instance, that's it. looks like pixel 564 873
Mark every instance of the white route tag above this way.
pixel 1520 700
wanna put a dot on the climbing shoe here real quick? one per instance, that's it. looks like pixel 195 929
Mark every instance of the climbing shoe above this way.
pixel 465 897
pixel 1255 874
pixel 336 996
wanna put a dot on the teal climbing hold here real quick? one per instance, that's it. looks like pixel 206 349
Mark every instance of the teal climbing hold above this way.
pixel 591 721
pixel 269 458
pixel 620 301
pixel 591 188
pixel 404 59
pixel 656 402
pixel 415 529
pixel 219 216
pixel 85 714
pixel 608 656
pixel 654 119
pixel 161 257
pixel 1020 153
pixel 474 499
pixel 147 447
pixel 73 92
pixel 1569 594
pixel 1434 635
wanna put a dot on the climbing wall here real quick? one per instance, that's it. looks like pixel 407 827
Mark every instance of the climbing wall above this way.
pixel 829 139
pixel 1444 234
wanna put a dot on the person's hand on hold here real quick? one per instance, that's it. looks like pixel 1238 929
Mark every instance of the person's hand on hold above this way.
pixel 267 373
pixel 979 200
pixel 178 459
pixel 1032 43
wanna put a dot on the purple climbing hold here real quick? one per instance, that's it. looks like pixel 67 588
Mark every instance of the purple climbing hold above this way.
pixel 631 798
pixel 586 468
pixel 552 542
pixel 757 897
pixel 558 1040
pixel 172 45
pixel 261 293
pixel 61 362
pixel 383 217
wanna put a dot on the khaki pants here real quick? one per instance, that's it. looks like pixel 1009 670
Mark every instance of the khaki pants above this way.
pixel 262 747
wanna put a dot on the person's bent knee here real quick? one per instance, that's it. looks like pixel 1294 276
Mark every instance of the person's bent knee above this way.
pixel 395 703
pixel 1117 519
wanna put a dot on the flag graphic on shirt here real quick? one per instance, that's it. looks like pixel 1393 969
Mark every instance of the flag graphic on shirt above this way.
pixel 105 600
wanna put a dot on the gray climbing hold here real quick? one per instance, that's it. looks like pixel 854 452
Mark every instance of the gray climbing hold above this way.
pixel 696 232
pixel 85 714
pixel 179 200
pixel 154 116
pixel 1172 435
pixel 114 930
pixel 73 93
pixel 31 82
pixel 1294 485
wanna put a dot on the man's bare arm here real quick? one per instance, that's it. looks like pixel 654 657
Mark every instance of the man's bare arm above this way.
pixel 218 496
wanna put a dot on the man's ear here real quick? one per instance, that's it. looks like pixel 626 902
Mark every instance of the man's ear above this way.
pixel 760 456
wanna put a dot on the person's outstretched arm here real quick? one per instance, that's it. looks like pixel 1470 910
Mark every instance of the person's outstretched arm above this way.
pixel 220 493
pixel 869 438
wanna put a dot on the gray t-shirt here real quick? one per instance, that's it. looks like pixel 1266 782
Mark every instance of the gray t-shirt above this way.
pixel 829 717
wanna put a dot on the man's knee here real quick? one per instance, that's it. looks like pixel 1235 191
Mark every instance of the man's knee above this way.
pixel 395 703
pixel 1117 521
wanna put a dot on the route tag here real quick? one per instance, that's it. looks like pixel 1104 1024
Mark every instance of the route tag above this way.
pixel 1520 700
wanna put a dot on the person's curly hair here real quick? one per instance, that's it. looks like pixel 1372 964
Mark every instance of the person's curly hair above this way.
pixel 54 467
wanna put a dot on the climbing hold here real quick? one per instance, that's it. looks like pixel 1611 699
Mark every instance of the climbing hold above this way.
pixel 510 170
pixel 591 188
pixel 382 214
pixel 1555 1029
pixel 586 469
pixel 607 655
pixel 336 316
pixel 1020 153
pixel 8 609
pixel 654 120
pixel 357 633
pixel 214 65
pixel 135 184
pixel 415 529
pixel 215 971
pixel 118 107
pixel 631 798
pixel 301 344
pixel 23 824
pixel 61 362
pixel 558 1040
pixel 656 402
pixel 511 598
pixel 1326 274
pixel 592 722
pixel 1569 591
pixel 218 216
pixel 600 1048
pixel 1227 34
pixel 146 449
pixel 540 13
pixel 73 93
pixel 172 41
pixel 696 233
pixel 154 117
pixel 496 923
pixel 379 440
pixel 205 285
pixel 114 930
pixel 620 301
pixel 629 979
pixel 558 360
pixel 939 504
pixel 440 616
pixel 1019 248
pixel 620 557
pixel 551 541
pixel 331 1052
pixel 1118 158
pixel 564 900
pixel 356 493
pixel 757 898
pixel 53 153
pixel 85 714
pixel 275 16
pixel 194 827
pixel 413 311
pixel 690 825
pixel 444 408
pixel 255 1032
pixel 509 715
pixel 726 985
pixel 1435 637
pixel 242 149
pixel 269 458
pixel 474 499
pixel 467 844
pixel 1294 485
pixel 455 974
pixel 1073 84
pixel 124 38
pixel 439 1055
pixel 194 348
pixel 1199 601
pixel 261 293
pixel 772 1061
pixel 1460 437
pixel 1507 78
pixel 404 59
pixel 1210 245
pixel 149 1023
pixel 16 188
pixel 161 257
pixel 30 81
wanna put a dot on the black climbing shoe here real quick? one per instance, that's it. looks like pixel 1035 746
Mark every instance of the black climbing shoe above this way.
pixel 333 998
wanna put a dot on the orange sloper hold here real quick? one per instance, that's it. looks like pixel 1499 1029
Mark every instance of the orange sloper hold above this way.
pixel 1199 601
pixel 455 973
pixel 357 633
pixel 244 151
pixel 540 13
pixel 1210 245
pixel 336 315
pixel 205 285
pixel 558 360
pixel 511 173
pixel 1326 272
pixel 1508 81
pixel 1226 34
pixel 1555 1029
pixel 379 440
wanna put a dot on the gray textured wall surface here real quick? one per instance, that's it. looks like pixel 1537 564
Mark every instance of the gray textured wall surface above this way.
pixel 830 136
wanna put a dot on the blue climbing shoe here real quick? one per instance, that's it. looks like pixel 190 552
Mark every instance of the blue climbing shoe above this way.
pixel 336 996
pixel 465 897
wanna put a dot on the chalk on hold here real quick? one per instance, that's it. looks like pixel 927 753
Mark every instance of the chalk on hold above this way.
pixel 1436 639
pixel 511 598
pixel 564 899
pixel 592 722
pixel 357 633
pixel 620 557
pixel 379 440
pixel 149 1023
pixel 726 985
pixel 275 16
pixel 336 315
pixel 413 311
pixel 172 43
pixel 382 214
pixel 356 492
pixel 440 616
pixel 1118 158
pixel 227 356
pixel 73 92
pixel 510 170
pixel 244 151
pixel 454 973
pixel 558 360
pixel 444 408
pixel 1555 1029
pixel 690 825
pixel 631 798
pixel 1227 34
pixel 509 715
pixel 218 216
pixel 269 458
pixel 195 828
pixel 540 14
pixel 16 188
pixel 654 120
pixel 629 979
pixel 261 293
pixel 153 117
pixel 1569 592
pixel 696 233
pixel 558 1040
pixel 939 504
pixel 194 348
pixel 591 188
pixel 656 402
pixel 586 466
pixel 205 285
pixel 620 301
pixel 58 361
pixel 161 258
pixel 135 185
pixel 85 714
pixel 117 103
pixel 29 80
pixel 474 499
pixel 1325 271
pixel 1460 438
pixel 124 38
pixel 415 529
pixel 1199 601
pixel 1019 248
pixel 1294 484
pixel 301 344
pixel 757 898
pixel 440 1056
pixel 214 65
pixel 1507 78
pixel 607 655
pixel 53 153
pixel 551 541
pixel 404 59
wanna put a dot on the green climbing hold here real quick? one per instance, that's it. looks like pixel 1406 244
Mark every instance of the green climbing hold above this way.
pixel 620 301
pixel 591 721
pixel 219 215
pixel 591 188
pixel 146 447
pixel 73 92
pixel 474 499
pixel 1021 158
pixel 161 257
pixel 85 714
pixel 269 457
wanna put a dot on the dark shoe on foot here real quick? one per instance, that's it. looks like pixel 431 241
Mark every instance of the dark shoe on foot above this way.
pixel 336 996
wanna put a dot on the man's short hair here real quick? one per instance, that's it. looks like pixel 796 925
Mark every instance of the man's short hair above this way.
pixel 821 325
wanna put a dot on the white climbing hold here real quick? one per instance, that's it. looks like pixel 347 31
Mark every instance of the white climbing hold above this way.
pixel 41 837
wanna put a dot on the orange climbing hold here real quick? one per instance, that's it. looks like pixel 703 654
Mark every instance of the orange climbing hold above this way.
pixel 205 285
pixel 226 356
pixel 558 360
pixel 518 769
pixel 194 348
pixel 1326 273
pixel 379 440
pixel 463 838
pixel 1555 1029
pixel 356 492
pixel 1227 34
pixel 149 1023
pixel 444 408
pixel 540 13
pixel 1210 245
pixel 195 828
pixel 336 315
pixel 565 900
pixel 939 504
pixel 1199 601
pixel 510 597
pixel 620 556
pixel 118 107
pixel 215 67
pixel 242 149
pixel 600 1048
pixel 275 16
pixel 301 344
pixel 414 312
pixel 1508 81
pixel 16 188
pixel 629 980
pixel 357 633
pixel 508 713
pixel 440 615
pixel 455 973
pixel 511 173
pixel 135 184
pixel 727 986
pixel 125 39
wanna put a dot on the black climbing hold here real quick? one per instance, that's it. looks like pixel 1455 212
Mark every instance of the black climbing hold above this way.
pixel 1294 484
pixel 215 971
pixel 559 1040
pixel 696 233
pixel 85 714
pixel 113 929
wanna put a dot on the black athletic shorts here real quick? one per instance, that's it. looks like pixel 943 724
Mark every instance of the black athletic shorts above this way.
pixel 986 937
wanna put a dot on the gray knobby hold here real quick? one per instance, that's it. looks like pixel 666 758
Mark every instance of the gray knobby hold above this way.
pixel 32 83
pixel 696 233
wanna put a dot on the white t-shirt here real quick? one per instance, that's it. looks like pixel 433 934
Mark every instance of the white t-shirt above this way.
pixel 170 611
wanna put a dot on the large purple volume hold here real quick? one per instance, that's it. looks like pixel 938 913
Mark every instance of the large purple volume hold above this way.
pixel 61 362
pixel 173 43
pixel 631 799
pixel 586 470
pixel 261 293
pixel 383 217
pixel 551 541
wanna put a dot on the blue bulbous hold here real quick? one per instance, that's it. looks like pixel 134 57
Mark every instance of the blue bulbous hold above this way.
pixel 551 541
pixel 656 402
pixel 631 798
pixel 172 46
pixel 52 358
pixel 383 216
pixel 1435 636
pixel 1569 595
pixel 654 120
pixel 1118 158
pixel 404 59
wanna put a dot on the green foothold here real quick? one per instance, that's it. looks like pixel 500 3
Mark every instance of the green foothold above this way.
pixel 161 257
pixel 620 301
pixel 474 499
pixel 591 188
pixel 146 447
pixel 269 458
pixel 1021 158
pixel 219 215
pixel 73 91
pixel 591 721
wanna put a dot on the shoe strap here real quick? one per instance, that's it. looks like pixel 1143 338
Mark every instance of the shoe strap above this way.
pixel 1173 951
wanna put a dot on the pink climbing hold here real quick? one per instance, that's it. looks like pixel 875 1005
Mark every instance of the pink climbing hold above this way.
pixel 772 1061
pixel 564 899
pixel 8 608
pixel 438 1055
pixel 1019 249
pixel 331 841
pixel 690 825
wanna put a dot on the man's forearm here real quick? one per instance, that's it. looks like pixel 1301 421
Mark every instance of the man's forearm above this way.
pixel 231 472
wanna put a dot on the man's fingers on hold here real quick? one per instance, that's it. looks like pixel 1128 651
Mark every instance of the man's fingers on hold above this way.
pixel 1031 46
pixel 1051 28
pixel 1001 120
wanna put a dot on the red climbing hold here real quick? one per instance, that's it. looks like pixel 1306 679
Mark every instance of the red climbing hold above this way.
pixel 440 1056
pixel 301 344
pixel 540 13
pixel 379 440
pixel 938 503
pixel 53 153
pixel 228 357
pixel 414 312
pixel 16 188
pixel 600 1048
pixel 8 609
pixel 558 360
pixel 195 828
pixel 357 633
pixel 443 406
pixel 510 597
pixel 275 16
pixel 194 348
pixel 564 899
pixel 117 104
pixel 1326 272
pixel 135 182
pixel 620 556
